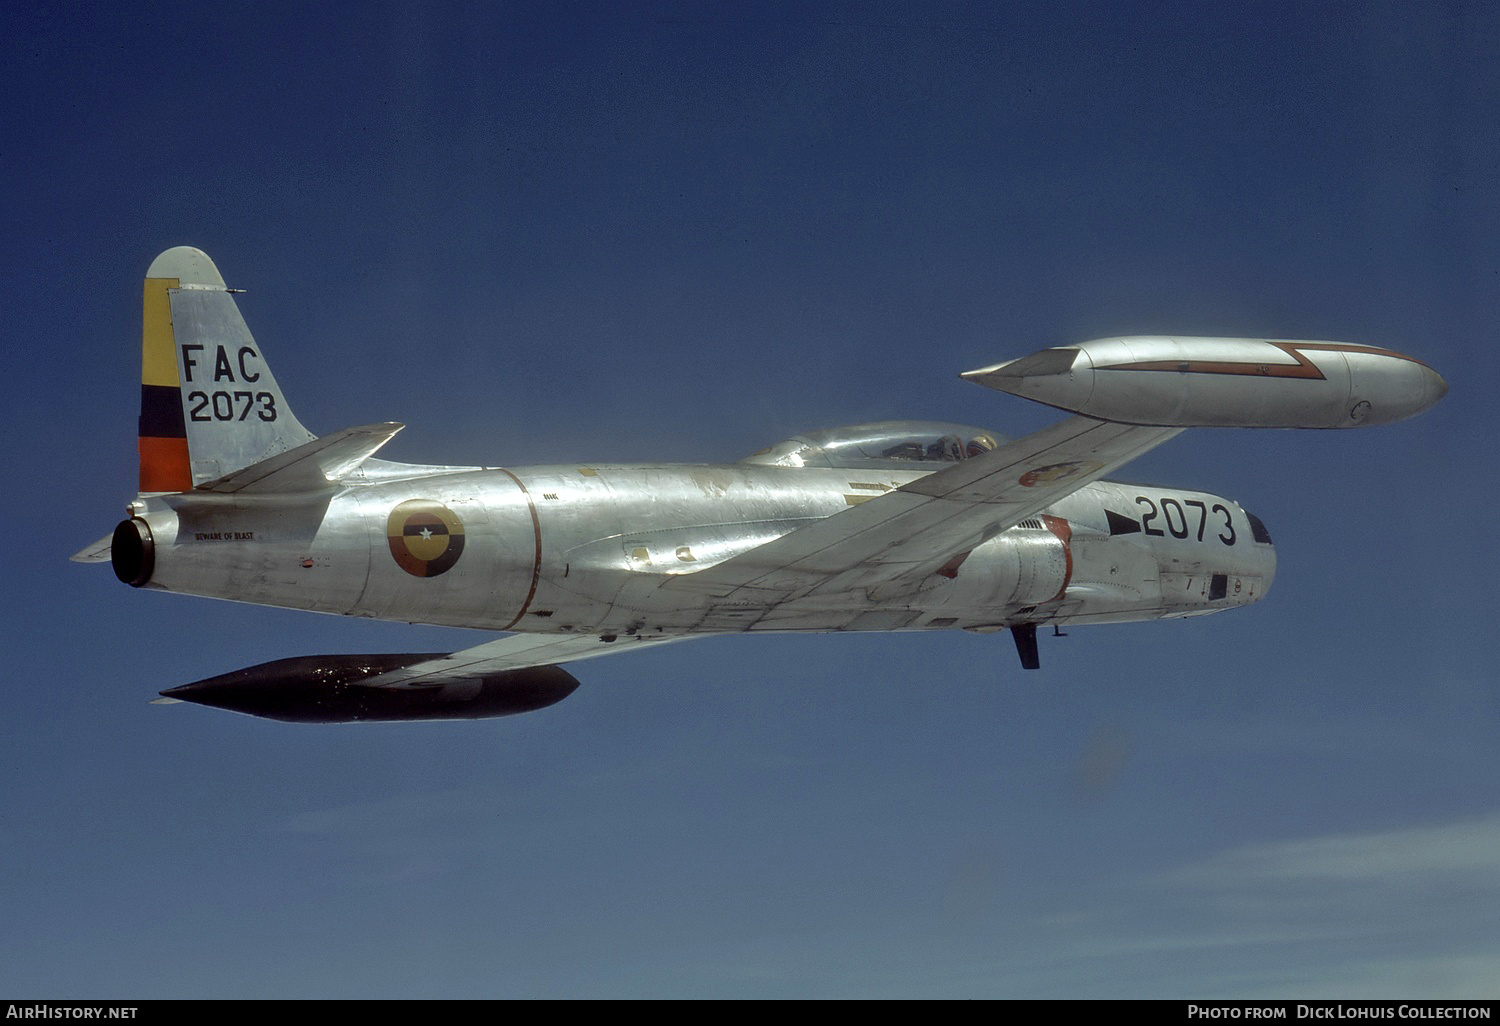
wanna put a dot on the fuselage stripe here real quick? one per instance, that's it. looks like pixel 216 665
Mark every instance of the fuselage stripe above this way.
pixel 536 532
pixel 1064 532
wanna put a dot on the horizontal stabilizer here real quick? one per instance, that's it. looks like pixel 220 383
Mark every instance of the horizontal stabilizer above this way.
pixel 95 553
pixel 309 467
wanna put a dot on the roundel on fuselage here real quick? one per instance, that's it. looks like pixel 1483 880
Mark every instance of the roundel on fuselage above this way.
pixel 426 537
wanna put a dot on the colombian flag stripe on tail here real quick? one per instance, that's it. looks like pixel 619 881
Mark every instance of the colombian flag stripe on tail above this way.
pixel 163 431
pixel 164 465
pixel 161 412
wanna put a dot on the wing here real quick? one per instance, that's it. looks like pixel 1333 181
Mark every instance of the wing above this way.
pixel 515 652
pixel 891 543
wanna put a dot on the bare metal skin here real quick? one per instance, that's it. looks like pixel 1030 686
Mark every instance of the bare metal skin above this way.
pixel 904 525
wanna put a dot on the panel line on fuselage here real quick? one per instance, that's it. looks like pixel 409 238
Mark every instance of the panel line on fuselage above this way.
pixel 536 532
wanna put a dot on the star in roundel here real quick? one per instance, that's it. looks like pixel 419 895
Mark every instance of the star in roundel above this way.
pixel 426 537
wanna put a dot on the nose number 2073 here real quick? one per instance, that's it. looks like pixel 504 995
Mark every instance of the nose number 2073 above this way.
pixel 1177 519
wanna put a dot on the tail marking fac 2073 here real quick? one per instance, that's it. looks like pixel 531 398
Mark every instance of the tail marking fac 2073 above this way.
pixel 896 525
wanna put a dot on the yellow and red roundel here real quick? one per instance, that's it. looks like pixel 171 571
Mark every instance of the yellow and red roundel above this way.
pixel 426 538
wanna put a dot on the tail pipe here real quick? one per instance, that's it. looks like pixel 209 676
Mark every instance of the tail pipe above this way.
pixel 132 552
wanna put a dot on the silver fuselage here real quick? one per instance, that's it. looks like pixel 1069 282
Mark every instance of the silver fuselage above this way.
pixel 890 525
pixel 577 548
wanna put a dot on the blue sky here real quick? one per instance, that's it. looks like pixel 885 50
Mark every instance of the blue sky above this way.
pixel 677 231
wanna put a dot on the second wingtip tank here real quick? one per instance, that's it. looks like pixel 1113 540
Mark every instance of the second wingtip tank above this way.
pixel 1179 381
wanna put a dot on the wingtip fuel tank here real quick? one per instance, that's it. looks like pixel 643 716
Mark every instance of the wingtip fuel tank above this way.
pixel 1178 381
pixel 330 689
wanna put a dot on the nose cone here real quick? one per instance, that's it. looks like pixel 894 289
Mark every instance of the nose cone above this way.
pixel 1386 387
pixel 1262 552
pixel 1436 387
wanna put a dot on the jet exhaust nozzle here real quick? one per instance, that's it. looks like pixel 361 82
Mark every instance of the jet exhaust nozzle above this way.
pixel 132 552
pixel 329 689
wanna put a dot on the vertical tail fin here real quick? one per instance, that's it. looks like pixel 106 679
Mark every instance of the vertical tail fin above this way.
pixel 209 403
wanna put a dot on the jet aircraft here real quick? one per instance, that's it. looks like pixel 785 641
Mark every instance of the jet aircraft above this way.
pixel 893 526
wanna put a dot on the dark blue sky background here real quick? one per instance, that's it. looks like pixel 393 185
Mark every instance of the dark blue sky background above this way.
pixel 607 232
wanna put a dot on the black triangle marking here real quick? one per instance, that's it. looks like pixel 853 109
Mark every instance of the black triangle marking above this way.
pixel 1121 524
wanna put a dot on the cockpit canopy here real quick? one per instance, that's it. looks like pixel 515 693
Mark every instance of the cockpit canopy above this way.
pixel 902 444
